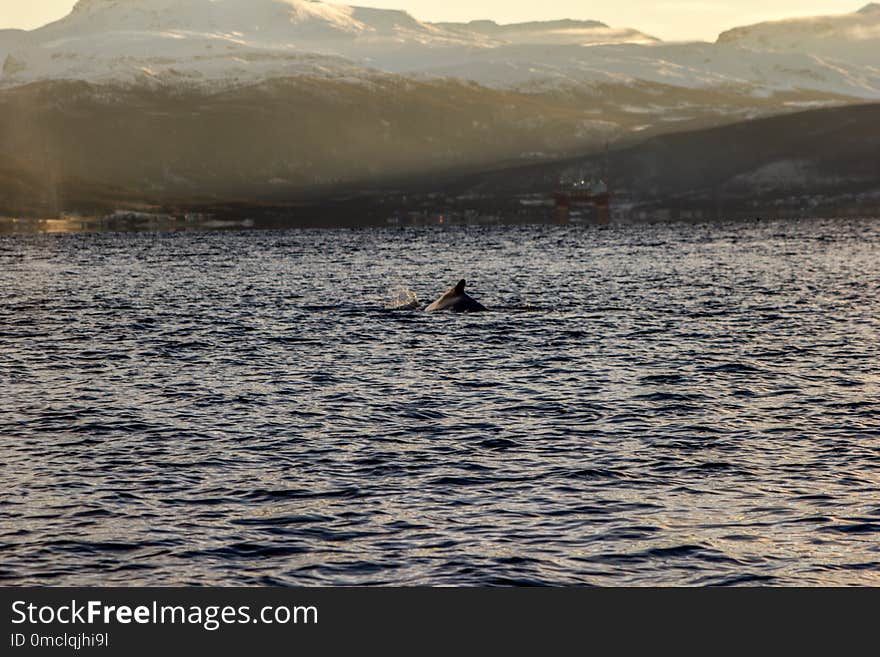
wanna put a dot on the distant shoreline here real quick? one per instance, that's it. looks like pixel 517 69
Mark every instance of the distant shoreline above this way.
pixel 147 222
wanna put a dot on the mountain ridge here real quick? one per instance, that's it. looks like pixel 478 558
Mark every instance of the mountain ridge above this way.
pixel 850 37
pixel 204 42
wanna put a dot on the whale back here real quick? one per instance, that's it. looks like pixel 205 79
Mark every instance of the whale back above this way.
pixel 455 300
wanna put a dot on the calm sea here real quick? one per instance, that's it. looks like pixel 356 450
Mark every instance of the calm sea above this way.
pixel 645 405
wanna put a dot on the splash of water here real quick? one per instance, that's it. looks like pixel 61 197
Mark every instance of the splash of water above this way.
pixel 403 298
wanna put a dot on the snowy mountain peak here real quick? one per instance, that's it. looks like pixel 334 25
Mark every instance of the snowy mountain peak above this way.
pixel 205 15
pixel 285 20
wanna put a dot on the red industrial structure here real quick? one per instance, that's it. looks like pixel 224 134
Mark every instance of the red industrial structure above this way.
pixel 580 193
pixel 595 195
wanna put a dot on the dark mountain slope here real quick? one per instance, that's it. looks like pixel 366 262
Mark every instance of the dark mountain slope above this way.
pixel 826 151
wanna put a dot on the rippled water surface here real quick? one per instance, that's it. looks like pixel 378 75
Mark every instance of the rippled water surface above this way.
pixel 664 404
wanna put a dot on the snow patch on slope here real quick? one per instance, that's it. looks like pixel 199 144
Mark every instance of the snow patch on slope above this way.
pixel 853 38
pixel 561 32
pixel 694 65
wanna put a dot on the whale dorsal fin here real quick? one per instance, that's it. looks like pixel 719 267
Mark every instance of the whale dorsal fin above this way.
pixel 459 289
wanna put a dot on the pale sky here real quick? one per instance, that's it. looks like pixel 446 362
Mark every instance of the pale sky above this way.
pixel 667 19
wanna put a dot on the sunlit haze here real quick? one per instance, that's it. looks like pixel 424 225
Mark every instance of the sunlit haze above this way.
pixel 672 20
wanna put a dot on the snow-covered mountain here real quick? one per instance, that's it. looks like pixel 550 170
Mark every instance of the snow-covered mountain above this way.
pixel 834 55
pixel 208 40
pixel 688 65
pixel 246 41
pixel 852 38
pixel 278 19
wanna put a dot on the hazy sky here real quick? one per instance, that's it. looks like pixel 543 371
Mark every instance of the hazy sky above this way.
pixel 668 19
